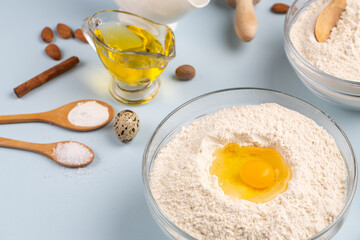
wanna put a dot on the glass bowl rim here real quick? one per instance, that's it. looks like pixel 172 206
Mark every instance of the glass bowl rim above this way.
pixel 151 198
pixel 287 30
pixel 171 55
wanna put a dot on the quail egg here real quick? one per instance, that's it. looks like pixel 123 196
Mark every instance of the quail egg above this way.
pixel 126 125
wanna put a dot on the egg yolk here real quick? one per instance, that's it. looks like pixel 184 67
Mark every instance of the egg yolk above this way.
pixel 255 174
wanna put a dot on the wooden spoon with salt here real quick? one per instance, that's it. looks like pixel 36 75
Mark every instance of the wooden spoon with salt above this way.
pixel 327 19
pixel 58 116
pixel 47 149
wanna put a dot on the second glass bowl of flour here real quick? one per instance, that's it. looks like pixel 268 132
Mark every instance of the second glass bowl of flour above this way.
pixel 188 202
pixel 331 69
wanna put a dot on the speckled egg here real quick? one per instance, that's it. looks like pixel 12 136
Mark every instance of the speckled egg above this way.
pixel 126 125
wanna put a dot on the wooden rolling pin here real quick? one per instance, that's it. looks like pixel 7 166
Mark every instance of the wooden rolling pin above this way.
pixel 245 22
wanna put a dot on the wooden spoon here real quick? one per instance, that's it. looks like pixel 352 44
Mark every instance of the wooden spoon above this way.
pixel 42 148
pixel 327 19
pixel 58 116
pixel 245 22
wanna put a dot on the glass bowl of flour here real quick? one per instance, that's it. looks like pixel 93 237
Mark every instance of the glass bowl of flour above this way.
pixel 186 209
pixel 331 69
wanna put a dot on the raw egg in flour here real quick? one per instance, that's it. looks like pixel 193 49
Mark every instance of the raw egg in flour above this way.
pixel 256 174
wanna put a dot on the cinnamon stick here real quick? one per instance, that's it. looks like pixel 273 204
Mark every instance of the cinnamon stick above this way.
pixel 46 76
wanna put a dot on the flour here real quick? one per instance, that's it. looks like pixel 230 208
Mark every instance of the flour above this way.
pixel 88 114
pixel 340 54
pixel 192 199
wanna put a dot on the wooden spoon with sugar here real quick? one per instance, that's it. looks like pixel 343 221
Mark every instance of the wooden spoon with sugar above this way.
pixel 67 153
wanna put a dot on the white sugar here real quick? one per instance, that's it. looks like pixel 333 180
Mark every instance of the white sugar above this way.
pixel 72 153
pixel 88 114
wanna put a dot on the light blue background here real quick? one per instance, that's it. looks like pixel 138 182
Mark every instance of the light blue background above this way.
pixel 42 200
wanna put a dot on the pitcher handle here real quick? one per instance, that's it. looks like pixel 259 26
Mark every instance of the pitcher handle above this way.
pixel 87 34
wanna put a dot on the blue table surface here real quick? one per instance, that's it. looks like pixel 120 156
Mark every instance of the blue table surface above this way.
pixel 39 199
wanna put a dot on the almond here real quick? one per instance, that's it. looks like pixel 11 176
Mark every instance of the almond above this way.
pixel 280 8
pixel 53 51
pixel 80 35
pixel 47 35
pixel 185 72
pixel 64 31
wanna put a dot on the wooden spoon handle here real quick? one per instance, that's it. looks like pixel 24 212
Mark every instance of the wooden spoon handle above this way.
pixel 20 118
pixel 245 22
pixel 34 147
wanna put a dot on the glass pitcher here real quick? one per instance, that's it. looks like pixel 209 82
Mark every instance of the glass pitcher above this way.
pixel 134 50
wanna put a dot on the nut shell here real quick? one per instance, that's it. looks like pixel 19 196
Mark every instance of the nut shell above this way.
pixel 126 125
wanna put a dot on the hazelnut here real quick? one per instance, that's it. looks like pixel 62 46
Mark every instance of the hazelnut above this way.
pixel 185 72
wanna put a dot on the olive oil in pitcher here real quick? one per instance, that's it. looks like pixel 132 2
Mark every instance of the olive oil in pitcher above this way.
pixel 134 50
pixel 126 53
